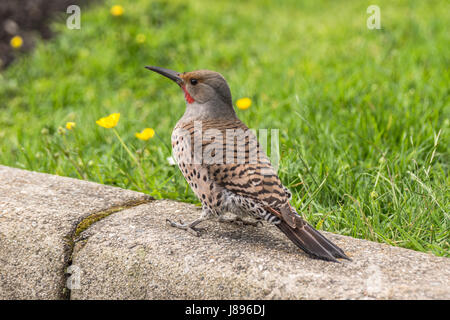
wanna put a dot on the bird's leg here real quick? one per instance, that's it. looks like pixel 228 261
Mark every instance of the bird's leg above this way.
pixel 191 226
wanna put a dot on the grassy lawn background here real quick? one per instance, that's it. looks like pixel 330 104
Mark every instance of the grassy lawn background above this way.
pixel 363 114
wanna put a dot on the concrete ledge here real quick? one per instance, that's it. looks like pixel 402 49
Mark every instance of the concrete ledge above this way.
pixel 131 253
pixel 135 255
pixel 38 216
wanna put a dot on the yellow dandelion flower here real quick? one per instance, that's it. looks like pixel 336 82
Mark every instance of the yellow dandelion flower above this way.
pixel 109 121
pixel 70 125
pixel 16 42
pixel 116 10
pixel 145 134
pixel 244 103
pixel 140 38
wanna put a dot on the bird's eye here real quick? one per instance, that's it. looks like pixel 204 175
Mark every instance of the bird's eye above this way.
pixel 194 81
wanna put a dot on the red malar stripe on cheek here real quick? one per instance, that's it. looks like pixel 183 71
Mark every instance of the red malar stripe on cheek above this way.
pixel 187 96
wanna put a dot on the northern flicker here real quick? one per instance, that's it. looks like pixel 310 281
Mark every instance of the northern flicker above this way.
pixel 224 165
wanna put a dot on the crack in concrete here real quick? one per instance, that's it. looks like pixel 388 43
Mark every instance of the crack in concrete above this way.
pixel 85 224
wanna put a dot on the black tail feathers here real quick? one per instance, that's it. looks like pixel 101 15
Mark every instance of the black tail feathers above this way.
pixel 312 241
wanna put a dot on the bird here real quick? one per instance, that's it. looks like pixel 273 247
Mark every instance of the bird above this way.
pixel 226 168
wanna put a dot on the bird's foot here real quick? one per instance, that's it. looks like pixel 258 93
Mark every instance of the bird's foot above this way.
pixel 189 227
pixel 239 221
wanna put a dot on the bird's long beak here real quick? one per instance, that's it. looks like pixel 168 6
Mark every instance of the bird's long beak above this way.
pixel 172 75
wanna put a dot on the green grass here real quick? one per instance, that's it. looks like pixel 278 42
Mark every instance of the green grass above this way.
pixel 363 114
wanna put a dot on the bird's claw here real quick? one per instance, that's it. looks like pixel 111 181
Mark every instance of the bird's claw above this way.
pixel 185 226
pixel 252 223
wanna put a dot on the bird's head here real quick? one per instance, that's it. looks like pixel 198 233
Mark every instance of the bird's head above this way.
pixel 204 90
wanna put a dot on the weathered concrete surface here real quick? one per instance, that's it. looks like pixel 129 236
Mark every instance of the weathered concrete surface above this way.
pixel 38 215
pixel 135 255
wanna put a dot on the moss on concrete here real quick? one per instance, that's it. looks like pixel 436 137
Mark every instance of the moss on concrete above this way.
pixel 97 216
